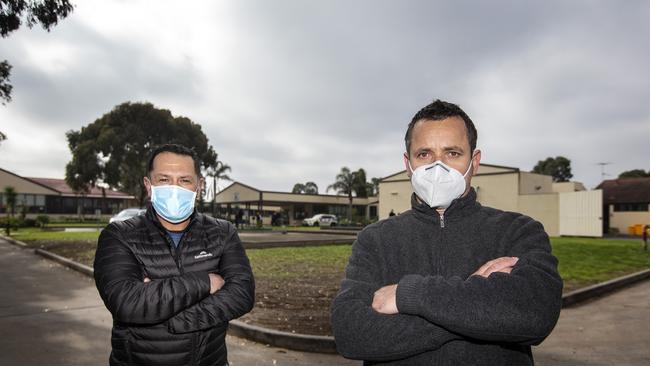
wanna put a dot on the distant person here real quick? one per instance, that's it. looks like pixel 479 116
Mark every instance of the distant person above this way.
pixel 392 213
pixel 449 282
pixel 239 219
pixel 172 278
pixel 645 237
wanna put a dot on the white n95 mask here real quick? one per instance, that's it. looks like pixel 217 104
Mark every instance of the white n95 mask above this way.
pixel 438 184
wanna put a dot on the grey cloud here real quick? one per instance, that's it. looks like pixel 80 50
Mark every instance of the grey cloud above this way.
pixel 309 87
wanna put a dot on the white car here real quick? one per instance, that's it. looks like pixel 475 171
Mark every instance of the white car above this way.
pixel 127 214
pixel 321 220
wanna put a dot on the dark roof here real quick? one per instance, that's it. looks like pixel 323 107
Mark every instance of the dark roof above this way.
pixel 626 190
pixel 64 189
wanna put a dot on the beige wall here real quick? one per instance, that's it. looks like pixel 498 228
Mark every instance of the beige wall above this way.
pixel 498 191
pixel 508 190
pixel 568 187
pixel 531 183
pixel 395 195
pixel 543 208
pixel 396 177
pixel 622 220
pixel 488 169
pixel 23 186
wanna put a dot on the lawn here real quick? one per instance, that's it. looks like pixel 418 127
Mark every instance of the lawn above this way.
pixel 293 262
pixel 583 261
pixel 588 261
pixel 28 235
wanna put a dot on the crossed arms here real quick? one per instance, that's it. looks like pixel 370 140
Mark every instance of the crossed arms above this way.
pixel 510 299
pixel 191 301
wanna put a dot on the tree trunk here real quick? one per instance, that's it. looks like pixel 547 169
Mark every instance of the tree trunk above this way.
pixel 350 209
pixel 214 194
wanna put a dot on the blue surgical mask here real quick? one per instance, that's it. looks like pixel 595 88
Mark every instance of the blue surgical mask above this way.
pixel 173 203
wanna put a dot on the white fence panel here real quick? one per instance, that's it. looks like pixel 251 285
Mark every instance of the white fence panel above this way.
pixel 581 213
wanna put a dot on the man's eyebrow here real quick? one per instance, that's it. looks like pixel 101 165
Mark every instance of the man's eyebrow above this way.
pixel 423 149
pixel 453 148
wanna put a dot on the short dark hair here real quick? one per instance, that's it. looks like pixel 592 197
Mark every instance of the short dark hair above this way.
pixel 176 149
pixel 437 111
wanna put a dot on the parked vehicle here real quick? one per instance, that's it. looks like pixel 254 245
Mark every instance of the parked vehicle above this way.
pixel 321 220
pixel 127 214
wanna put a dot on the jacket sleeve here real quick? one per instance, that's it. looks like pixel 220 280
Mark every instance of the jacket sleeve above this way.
pixel 119 280
pixel 362 333
pixel 233 300
pixel 520 307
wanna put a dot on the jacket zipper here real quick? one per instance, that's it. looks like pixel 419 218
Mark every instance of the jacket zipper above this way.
pixel 175 251
pixel 442 220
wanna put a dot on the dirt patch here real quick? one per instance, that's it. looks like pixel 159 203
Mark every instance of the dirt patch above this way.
pixel 295 306
pixel 298 304
pixel 79 251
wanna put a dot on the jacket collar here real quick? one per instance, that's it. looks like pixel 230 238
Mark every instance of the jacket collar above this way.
pixel 153 218
pixel 460 207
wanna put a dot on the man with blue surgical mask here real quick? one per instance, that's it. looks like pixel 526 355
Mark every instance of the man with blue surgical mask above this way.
pixel 449 282
pixel 172 278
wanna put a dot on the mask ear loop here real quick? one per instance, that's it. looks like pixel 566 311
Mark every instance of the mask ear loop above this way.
pixel 470 165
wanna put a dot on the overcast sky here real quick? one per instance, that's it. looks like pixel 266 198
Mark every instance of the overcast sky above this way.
pixel 291 91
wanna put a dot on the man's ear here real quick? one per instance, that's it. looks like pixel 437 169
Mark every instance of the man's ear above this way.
pixel 407 165
pixel 476 161
pixel 147 185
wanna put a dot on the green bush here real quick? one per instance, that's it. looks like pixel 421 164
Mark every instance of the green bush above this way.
pixel 8 224
pixel 42 220
pixel 27 222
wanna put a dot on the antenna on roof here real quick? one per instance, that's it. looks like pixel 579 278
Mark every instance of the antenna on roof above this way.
pixel 602 170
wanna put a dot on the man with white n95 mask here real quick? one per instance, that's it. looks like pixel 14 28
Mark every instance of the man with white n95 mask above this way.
pixel 172 278
pixel 449 282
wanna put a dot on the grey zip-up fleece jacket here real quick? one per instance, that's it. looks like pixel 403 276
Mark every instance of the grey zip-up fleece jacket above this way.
pixel 446 316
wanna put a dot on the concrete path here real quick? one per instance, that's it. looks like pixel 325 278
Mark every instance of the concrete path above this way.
pixel 612 330
pixel 50 315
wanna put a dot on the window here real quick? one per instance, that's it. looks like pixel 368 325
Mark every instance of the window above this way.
pixel 630 207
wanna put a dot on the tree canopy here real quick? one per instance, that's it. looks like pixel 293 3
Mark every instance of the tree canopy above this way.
pixel 307 188
pixel 14 13
pixel 635 173
pixel 344 185
pixel 559 168
pixel 114 149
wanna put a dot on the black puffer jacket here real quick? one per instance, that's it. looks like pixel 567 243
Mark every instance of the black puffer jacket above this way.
pixel 172 320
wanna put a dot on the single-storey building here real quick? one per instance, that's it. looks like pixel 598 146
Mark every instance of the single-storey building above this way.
pixel 563 208
pixel 53 196
pixel 293 206
pixel 626 203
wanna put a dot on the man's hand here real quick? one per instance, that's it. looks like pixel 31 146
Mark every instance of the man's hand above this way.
pixel 502 264
pixel 216 282
pixel 385 300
